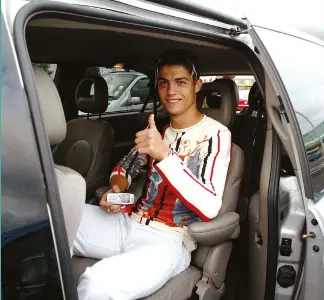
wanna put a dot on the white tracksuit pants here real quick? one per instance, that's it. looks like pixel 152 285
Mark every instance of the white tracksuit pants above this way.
pixel 136 260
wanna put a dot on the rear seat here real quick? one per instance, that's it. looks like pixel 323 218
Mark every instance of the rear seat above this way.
pixel 88 144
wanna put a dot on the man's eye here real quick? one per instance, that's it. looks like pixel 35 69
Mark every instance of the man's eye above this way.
pixel 162 83
pixel 181 82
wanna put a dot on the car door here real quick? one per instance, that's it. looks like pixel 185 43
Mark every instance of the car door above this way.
pixel 298 81
pixel 31 266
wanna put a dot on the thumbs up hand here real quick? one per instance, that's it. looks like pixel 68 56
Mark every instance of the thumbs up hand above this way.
pixel 151 122
pixel 149 141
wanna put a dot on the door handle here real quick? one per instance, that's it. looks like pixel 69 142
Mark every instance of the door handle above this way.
pixel 309 235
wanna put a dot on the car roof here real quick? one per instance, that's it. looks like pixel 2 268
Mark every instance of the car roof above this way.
pixel 239 65
pixel 302 21
pixel 11 8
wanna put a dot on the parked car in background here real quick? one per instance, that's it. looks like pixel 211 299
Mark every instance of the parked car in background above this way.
pixel 127 91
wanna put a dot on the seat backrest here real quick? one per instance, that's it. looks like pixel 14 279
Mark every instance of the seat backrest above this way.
pixel 88 143
pixel 71 185
pixel 230 198
pixel 221 97
pixel 233 180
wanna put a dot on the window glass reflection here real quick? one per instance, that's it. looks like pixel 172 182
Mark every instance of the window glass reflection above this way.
pixel 300 64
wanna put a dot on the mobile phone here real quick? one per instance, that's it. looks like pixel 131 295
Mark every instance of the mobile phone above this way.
pixel 120 198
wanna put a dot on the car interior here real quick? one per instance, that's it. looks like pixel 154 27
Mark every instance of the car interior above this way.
pixel 233 253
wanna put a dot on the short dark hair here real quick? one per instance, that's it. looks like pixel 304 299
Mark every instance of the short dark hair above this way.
pixel 180 57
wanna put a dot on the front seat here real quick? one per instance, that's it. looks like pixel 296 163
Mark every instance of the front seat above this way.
pixel 214 238
pixel 88 144
pixel 71 185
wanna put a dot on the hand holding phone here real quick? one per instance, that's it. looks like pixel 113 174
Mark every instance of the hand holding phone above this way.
pixel 120 198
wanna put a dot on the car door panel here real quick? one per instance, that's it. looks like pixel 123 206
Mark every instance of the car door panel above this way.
pixel 299 91
pixel 258 226
pixel 29 261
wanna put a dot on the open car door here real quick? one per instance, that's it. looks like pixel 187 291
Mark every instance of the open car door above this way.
pixel 296 110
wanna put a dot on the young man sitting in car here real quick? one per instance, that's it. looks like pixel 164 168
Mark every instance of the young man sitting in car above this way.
pixel 143 247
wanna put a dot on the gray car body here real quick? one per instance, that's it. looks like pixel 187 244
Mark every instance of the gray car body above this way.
pixel 314 208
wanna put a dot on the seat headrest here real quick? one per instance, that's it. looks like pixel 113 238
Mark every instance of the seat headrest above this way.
pixel 51 106
pixel 92 104
pixel 222 98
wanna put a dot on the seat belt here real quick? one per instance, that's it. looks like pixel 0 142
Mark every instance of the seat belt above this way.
pixel 150 94
pixel 257 138
pixel 243 205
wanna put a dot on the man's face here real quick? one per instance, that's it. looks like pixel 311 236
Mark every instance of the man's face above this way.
pixel 177 89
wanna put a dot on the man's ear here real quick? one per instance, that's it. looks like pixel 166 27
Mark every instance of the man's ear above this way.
pixel 198 85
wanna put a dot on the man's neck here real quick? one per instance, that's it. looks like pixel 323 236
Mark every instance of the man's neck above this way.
pixel 188 119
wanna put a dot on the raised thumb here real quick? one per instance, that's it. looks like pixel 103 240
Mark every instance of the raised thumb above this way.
pixel 151 122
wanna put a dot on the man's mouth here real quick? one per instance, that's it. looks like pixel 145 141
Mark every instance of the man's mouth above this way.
pixel 172 101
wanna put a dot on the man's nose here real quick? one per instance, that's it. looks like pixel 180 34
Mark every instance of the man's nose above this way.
pixel 172 89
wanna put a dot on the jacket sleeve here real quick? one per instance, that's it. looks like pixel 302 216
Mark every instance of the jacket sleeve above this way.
pixel 130 165
pixel 202 193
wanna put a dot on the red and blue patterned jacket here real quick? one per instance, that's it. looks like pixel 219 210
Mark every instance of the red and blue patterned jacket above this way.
pixel 188 185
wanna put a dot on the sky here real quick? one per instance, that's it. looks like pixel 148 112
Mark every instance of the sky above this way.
pixel 304 15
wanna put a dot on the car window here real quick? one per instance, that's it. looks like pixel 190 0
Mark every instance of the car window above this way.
pixel 304 83
pixel 127 90
pixel 244 84
pixel 141 89
pixel 117 83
